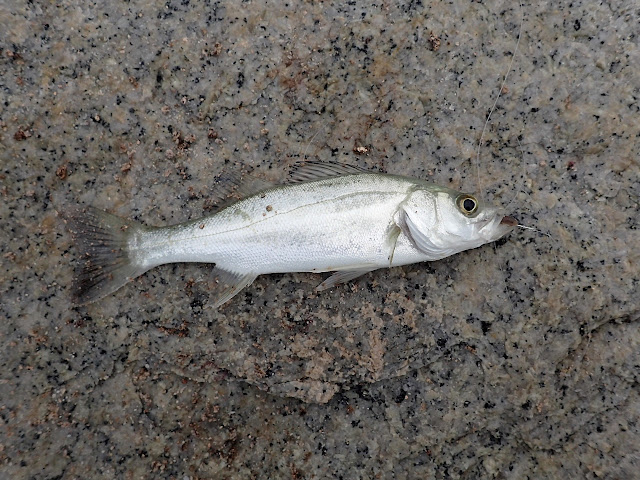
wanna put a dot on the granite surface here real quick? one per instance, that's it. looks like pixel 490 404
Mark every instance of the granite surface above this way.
pixel 517 360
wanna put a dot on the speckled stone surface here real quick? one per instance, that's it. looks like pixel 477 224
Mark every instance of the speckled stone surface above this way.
pixel 516 360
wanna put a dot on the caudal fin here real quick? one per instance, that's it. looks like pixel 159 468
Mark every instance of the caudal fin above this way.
pixel 105 263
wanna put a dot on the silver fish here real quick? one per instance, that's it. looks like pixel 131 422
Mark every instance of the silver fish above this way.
pixel 329 218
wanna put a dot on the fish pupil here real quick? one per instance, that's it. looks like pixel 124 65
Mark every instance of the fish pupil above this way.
pixel 469 205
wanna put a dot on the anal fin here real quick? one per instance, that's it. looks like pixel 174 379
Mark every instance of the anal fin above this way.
pixel 229 284
pixel 342 277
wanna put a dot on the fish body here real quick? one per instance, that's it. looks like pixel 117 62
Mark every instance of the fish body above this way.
pixel 330 224
pixel 332 218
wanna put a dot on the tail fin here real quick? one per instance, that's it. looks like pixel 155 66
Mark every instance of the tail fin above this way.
pixel 105 263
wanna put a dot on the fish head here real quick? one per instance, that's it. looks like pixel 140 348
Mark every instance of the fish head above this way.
pixel 469 219
pixel 441 221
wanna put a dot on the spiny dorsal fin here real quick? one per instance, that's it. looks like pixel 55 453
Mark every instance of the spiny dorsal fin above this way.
pixel 308 171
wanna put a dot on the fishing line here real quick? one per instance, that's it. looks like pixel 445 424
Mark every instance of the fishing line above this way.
pixel 495 103
pixel 322 128
pixel 534 229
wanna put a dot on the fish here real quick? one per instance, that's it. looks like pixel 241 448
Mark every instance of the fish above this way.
pixel 328 217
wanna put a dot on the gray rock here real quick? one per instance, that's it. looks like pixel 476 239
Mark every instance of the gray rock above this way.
pixel 516 360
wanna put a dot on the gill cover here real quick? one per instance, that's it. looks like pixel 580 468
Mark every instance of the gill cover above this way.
pixel 419 219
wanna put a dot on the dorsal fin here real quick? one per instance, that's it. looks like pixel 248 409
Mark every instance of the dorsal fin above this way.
pixel 310 170
pixel 233 186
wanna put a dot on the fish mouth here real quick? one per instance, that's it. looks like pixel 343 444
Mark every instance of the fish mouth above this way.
pixel 509 221
pixel 497 227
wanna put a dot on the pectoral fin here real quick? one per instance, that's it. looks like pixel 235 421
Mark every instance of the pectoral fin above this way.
pixel 342 277
pixel 392 239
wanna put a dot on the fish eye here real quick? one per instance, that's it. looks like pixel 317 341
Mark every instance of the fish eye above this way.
pixel 467 204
